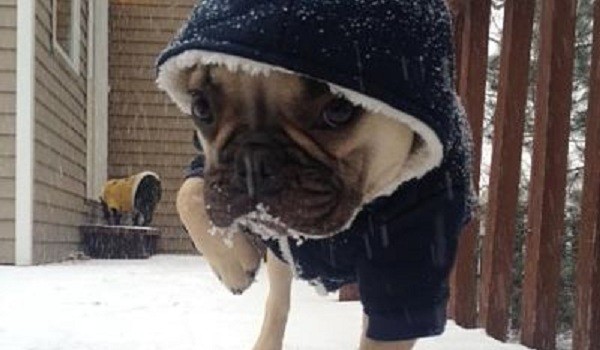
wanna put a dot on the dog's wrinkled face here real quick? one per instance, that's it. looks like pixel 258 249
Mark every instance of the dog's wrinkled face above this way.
pixel 286 156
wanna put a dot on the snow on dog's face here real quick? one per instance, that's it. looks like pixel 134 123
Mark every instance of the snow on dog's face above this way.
pixel 286 156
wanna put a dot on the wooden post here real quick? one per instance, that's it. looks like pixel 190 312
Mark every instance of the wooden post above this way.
pixel 548 175
pixel 349 292
pixel 473 74
pixel 457 9
pixel 586 330
pixel 506 165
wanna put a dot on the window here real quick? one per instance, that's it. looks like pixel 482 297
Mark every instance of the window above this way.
pixel 66 30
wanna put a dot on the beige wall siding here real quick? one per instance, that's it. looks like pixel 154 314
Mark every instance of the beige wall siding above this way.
pixel 146 131
pixel 8 38
pixel 60 142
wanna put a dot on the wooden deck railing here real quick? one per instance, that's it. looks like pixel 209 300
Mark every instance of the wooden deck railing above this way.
pixel 484 300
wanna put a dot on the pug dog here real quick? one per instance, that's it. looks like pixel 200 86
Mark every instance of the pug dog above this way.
pixel 332 138
pixel 313 165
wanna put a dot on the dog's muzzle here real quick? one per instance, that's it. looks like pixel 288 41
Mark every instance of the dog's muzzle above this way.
pixel 258 163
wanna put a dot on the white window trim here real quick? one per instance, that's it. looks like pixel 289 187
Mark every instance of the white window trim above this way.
pixel 74 60
pixel 25 133
pixel 97 98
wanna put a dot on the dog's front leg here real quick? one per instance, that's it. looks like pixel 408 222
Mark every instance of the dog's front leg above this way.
pixel 277 306
pixel 235 264
pixel 369 344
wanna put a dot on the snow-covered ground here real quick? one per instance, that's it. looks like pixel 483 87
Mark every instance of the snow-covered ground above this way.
pixel 171 303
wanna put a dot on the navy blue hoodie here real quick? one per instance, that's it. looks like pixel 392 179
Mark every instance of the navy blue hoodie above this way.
pixel 394 57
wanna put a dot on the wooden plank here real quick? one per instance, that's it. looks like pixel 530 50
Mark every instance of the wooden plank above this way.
pixel 151 135
pixel 142 73
pixel 7 146
pixel 56 200
pixel 7 124
pixel 56 121
pixel 7 81
pixel 51 195
pixel 125 60
pixel 457 8
pixel 153 99
pixel 174 3
pixel 176 245
pixel 8 38
pixel 156 162
pixel 165 219
pixel 7 166
pixel 149 24
pixel 506 165
pixel 7 187
pixel 7 230
pixel 166 10
pixel 7 251
pixel 548 175
pixel 153 147
pixel 59 82
pixel 56 233
pixel 586 330
pixel 50 157
pixel 69 147
pixel 8 59
pixel 136 35
pixel 139 110
pixel 7 102
pixel 43 14
pixel 61 145
pixel 46 252
pixel 473 73
pixel 52 111
pixel 151 123
pixel 349 292
pixel 129 85
pixel 7 209
pixel 167 172
pixel 57 215
pixel 8 16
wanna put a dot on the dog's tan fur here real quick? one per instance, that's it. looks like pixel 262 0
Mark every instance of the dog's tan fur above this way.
pixel 374 150
pixel 376 146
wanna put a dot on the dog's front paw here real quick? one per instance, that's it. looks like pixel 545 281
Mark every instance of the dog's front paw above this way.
pixel 235 261
pixel 232 255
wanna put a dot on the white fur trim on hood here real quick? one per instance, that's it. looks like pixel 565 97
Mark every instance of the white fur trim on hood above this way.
pixel 173 75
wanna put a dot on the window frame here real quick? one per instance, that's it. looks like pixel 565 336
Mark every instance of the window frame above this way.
pixel 73 59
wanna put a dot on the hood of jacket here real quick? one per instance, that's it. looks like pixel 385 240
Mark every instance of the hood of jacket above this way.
pixel 393 57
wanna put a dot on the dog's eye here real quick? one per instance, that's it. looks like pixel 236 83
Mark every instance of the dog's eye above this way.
pixel 337 113
pixel 201 108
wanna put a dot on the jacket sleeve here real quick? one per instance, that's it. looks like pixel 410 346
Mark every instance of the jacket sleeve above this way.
pixel 196 167
pixel 403 278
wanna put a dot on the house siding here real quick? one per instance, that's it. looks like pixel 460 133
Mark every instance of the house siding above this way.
pixel 60 142
pixel 146 131
pixel 8 38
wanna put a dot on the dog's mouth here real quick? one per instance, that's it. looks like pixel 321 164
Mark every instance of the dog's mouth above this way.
pixel 310 203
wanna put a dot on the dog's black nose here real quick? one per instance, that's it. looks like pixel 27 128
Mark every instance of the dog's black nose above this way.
pixel 258 164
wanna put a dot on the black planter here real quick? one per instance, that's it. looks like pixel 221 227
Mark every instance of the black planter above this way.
pixel 118 242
